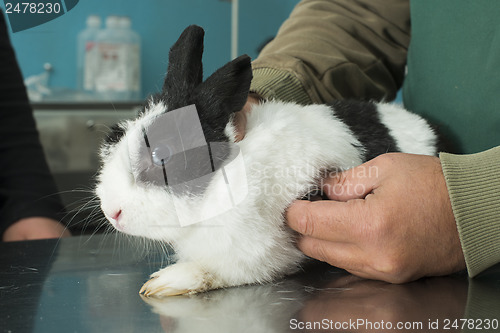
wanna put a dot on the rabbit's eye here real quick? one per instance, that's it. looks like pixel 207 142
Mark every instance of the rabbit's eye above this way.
pixel 160 155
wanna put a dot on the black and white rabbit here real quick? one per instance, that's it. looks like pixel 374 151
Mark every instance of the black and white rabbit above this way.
pixel 285 152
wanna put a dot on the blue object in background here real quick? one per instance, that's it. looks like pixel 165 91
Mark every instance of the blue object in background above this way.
pixel 159 23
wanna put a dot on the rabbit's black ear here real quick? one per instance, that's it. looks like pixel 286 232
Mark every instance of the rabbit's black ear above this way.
pixel 185 69
pixel 224 92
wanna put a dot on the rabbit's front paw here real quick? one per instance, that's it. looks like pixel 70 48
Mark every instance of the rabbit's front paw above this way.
pixel 178 279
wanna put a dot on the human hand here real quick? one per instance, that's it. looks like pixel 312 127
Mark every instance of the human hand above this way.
pixel 240 117
pixel 35 228
pixel 391 220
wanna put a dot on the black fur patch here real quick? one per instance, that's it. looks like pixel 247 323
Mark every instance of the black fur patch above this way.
pixel 363 120
pixel 185 68
pixel 222 94
pixel 218 97
pixel 116 133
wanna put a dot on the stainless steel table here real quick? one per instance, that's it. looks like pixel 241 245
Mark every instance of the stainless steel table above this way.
pixel 91 284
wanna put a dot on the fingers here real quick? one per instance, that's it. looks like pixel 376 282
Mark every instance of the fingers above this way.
pixel 329 231
pixel 355 183
pixel 333 229
pixel 343 255
pixel 35 228
pixel 347 256
pixel 333 220
pixel 325 219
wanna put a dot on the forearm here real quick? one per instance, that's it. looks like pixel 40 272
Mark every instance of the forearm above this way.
pixel 474 185
pixel 26 185
pixel 336 49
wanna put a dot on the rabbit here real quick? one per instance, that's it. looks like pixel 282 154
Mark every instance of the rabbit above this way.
pixel 229 229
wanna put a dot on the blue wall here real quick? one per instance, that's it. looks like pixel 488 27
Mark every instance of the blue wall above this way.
pixel 259 21
pixel 159 23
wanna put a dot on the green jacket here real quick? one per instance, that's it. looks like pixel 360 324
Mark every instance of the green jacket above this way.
pixel 445 56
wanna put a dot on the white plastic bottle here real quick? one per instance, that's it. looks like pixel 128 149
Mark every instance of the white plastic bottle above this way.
pixel 87 56
pixel 133 61
pixel 118 77
pixel 110 78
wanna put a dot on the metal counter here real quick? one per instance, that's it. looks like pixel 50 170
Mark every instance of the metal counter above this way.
pixel 91 284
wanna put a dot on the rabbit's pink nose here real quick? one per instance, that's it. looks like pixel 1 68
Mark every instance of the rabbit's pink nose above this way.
pixel 116 216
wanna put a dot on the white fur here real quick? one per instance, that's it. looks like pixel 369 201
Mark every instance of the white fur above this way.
pixel 285 150
pixel 412 133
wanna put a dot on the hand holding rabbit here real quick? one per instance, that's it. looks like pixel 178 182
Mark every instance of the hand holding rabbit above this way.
pixel 394 223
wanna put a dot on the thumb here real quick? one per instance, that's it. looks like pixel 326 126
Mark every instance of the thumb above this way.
pixel 355 183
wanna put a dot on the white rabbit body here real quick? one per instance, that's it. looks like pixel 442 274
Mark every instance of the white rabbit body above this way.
pixel 286 151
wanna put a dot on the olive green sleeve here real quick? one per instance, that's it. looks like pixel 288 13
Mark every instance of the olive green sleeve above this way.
pixel 333 49
pixel 474 186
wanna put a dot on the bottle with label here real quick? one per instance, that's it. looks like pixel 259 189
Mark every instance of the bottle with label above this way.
pixel 118 76
pixel 87 56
